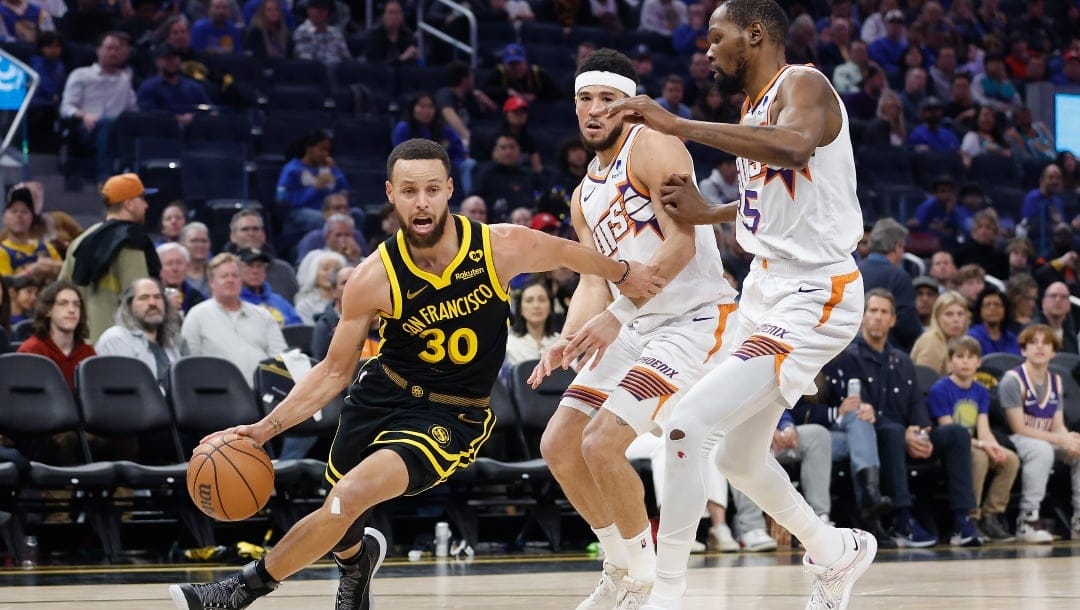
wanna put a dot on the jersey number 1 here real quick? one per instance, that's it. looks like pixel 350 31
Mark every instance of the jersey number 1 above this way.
pixel 461 347
pixel 750 212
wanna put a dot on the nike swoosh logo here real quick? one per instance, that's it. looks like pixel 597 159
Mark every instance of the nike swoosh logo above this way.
pixel 801 289
pixel 412 293
pixel 701 319
pixel 586 197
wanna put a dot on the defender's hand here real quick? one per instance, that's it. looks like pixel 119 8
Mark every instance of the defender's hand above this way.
pixel 593 339
pixel 549 360
pixel 642 109
pixel 642 281
pixel 684 202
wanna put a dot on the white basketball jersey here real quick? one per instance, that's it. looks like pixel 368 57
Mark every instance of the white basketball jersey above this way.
pixel 810 215
pixel 620 216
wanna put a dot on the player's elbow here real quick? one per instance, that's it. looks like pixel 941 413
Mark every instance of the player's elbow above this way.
pixel 799 156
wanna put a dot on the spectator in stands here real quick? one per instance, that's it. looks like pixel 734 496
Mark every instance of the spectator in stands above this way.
pixel 802 41
pixel 914 93
pixel 930 133
pixel 461 102
pixel 521 217
pixel 60 330
pixel 268 36
pixel 515 76
pixel 1029 140
pixel 881 269
pixel 722 185
pixel 927 291
pixel 335 205
pixel 195 238
pixel 1070 70
pixel 49 65
pixel 316 277
pixel 834 44
pixel 993 88
pixel 95 95
pixel 850 421
pixel 389 224
pixel 848 76
pixel 147 328
pixel 672 95
pixel 217 34
pixel 981 249
pixel 692 36
pixel 1057 313
pixel 992 21
pixel 904 429
pixel 710 107
pixel 970 281
pixel 1031 395
pixel 1070 171
pixel 701 79
pixel 873 27
pixel 327 322
pixel 962 109
pixel 175 260
pixel 257 291
pixel 949 320
pixel 571 165
pixel 532 327
pixel 890 110
pixel 111 254
pixel 24 20
pixel 985 139
pixel 516 123
pixel 503 181
pixel 247 232
pixel 1037 27
pixel 958 398
pixel 1023 293
pixel 306 179
pixel 863 105
pixel 227 326
pixel 1020 253
pixel 663 16
pixel 943 269
pixel 20 252
pixel 810 446
pixel 1043 206
pixel 317 39
pixel 641 58
pixel 942 73
pixel 474 208
pixel 419 120
pixel 1060 265
pixel 23 292
pixel 5 321
pixel 940 214
pixel 990 326
pixel 173 219
pixel 170 91
pixel 391 41
pixel 888 51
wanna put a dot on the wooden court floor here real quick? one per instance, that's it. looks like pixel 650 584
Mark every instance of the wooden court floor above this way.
pixel 1003 577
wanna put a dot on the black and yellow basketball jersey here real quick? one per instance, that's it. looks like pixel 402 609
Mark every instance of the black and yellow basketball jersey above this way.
pixel 446 334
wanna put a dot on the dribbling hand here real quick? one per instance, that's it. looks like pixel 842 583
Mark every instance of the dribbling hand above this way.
pixel 248 430
pixel 642 281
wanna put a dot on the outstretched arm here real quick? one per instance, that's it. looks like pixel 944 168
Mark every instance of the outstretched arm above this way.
pixel 799 128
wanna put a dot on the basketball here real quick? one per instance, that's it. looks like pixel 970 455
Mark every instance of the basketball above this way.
pixel 230 478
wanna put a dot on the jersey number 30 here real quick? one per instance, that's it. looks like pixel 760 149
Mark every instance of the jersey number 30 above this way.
pixel 461 347
pixel 749 212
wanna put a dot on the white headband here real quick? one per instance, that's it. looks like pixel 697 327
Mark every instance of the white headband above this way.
pixel 606 79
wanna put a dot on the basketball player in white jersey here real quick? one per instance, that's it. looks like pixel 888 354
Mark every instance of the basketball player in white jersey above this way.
pixel 801 304
pixel 641 355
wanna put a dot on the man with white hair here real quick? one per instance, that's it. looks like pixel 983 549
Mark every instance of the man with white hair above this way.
pixel 147 328
pixel 474 208
pixel 175 259
pixel 335 204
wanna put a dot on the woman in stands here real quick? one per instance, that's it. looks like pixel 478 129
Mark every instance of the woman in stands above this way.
pixel 949 320
pixel 985 139
pixel 420 120
pixel 532 329
pixel 891 110
pixel 709 107
pixel 990 330
pixel 316 277
pixel 1023 293
pixel 173 219
pixel 1070 173
pixel 268 36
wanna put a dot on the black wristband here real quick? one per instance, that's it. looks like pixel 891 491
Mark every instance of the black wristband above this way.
pixel 625 274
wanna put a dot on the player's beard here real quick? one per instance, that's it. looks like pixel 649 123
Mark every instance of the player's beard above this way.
pixel 726 83
pixel 424 241
pixel 605 143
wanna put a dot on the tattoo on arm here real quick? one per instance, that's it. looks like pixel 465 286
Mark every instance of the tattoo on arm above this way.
pixel 275 424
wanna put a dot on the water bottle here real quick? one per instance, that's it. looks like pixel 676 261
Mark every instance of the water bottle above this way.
pixel 442 539
pixel 30 552
pixel 854 388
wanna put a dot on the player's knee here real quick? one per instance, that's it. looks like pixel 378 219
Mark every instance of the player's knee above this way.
pixel 561 442
pixel 600 442
pixel 347 500
pixel 735 465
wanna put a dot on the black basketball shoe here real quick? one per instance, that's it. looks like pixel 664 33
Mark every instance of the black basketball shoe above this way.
pixel 354 587
pixel 236 591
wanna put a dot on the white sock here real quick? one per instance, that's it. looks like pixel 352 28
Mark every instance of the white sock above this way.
pixel 824 543
pixel 641 555
pixel 612 543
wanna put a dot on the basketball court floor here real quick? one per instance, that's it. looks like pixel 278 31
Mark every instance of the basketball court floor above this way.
pixel 993 577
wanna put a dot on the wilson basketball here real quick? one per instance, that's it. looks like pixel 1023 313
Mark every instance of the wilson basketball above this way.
pixel 230 478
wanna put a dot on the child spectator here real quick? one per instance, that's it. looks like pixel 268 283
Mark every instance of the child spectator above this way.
pixel 957 399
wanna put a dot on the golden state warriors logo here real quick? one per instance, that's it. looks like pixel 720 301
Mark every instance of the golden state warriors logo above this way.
pixel 417 391
pixel 966 413
pixel 476 255
pixel 440 434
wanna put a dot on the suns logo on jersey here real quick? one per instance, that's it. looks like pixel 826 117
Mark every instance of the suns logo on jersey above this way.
pixel 629 213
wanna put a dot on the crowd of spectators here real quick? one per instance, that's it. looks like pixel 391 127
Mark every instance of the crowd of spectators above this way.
pixel 946 78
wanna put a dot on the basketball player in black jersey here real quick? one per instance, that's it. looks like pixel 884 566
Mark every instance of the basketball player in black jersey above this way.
pixel 417 412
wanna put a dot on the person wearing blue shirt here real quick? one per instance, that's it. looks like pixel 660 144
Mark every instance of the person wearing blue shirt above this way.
pixel 930 134
pixel 304 183
pixel 1044 202
pixel 992 312
pixel 50 67
pixel 671 97
pixel 256 290
pixel 215 34
pixel 170 91
pixel 940 214
pixel 888 52
pixel 422 121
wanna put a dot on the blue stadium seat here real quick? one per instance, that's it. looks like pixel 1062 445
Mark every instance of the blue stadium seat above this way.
pixel 992 171
pixel 365 137
pixel 143 135
pixel 296 72
pixel 930 164
pixel 541 32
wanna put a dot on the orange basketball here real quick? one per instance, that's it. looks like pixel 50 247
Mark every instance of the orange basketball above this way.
pixel 230 478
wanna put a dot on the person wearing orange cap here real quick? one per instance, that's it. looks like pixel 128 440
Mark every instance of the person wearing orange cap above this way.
pixel 108 256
